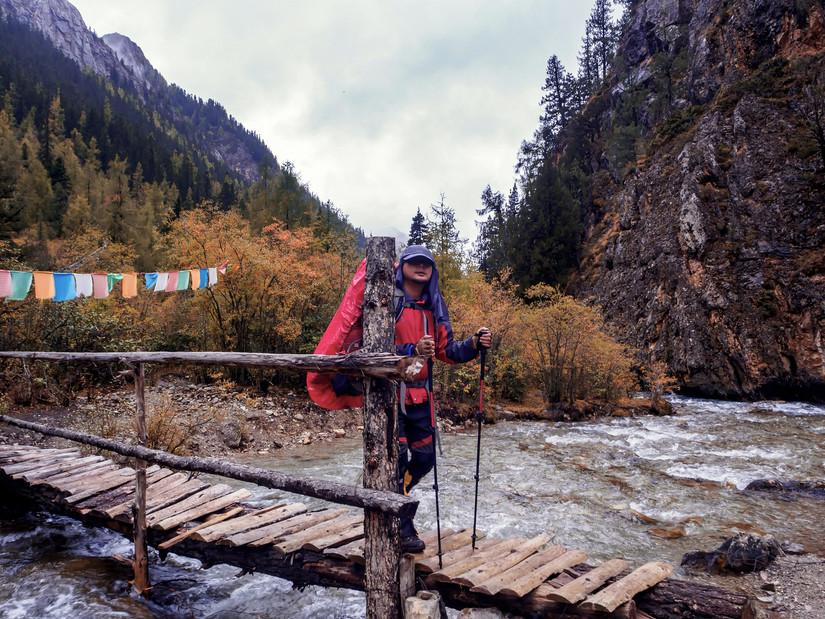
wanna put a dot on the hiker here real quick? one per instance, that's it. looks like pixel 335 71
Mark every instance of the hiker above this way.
pixel 422 327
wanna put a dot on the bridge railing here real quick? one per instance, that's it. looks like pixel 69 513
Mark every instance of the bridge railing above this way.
pixel 376 364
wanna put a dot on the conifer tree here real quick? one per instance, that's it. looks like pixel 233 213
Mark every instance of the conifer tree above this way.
pixel 419 230
pixel 445 241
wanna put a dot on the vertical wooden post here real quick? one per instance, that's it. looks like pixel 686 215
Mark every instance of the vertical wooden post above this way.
pixel 141 564
pixel 382 546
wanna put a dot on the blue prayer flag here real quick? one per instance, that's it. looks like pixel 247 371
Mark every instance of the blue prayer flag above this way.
pixel 64 287
pixel 204 278
pixel 151 280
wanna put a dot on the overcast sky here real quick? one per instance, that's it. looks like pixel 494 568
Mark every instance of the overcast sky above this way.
pixel 382 105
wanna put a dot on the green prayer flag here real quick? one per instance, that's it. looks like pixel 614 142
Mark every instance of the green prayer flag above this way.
pixel 21 283
pixel 183 280
pixel 112 278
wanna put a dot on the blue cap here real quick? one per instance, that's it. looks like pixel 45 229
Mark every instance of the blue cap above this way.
pixel 416 251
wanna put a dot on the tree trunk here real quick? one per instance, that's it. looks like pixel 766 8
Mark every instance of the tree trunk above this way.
pixel 382 547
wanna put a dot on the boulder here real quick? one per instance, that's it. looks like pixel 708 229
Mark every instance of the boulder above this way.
pixel 232 434
pixel 739 554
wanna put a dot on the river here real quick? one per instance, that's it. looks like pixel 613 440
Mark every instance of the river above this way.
pixel 585 483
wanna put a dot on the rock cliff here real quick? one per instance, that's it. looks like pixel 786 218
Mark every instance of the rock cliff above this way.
pixel 705 242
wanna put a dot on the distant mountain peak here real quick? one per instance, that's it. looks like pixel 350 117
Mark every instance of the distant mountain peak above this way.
pixel 133 58
pixel 63 25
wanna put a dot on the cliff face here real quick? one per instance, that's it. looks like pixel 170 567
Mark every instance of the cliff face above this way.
pixel 707 246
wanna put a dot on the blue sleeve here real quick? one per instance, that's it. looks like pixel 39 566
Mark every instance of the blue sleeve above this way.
pixel 405 350
pixel 452 351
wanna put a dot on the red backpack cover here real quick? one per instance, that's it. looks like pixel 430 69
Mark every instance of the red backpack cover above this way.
pixel 343 335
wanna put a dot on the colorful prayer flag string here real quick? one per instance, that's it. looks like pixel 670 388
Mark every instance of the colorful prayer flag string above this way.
pixel 59 287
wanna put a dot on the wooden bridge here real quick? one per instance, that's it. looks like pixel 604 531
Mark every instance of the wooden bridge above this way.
pixel 156 503
pixel 325 546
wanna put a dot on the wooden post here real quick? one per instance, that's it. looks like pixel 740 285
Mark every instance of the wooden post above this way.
pixel 141 564
pixel 382 545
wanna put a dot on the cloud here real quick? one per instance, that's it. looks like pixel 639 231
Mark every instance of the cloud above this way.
pixel 382 106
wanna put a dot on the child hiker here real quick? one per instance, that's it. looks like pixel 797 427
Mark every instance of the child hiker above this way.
pixel 422 327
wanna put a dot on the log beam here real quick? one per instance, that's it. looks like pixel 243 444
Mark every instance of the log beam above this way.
pixel 364 498
pixel 385 365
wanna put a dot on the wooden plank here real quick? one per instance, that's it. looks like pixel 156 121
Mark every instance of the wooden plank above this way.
pixel 117 496
pixel 312 519
pixel 69 477
pixel 39 454
pixel 252 520
pixel 107 484
pixel 475 559
pixel 273 532
pixel 189 532
pixel 501 562
pixel 430 539
pixel 294 541
pixel 611 597
pixel 575 591
pixel 202 510
pixel 295 513
pixel 459 553
pixel 494 584
pixel 156 494
pixel 87 482
pixel 537 571
pixel 55 468
pixel 345 536
pixel 39 462
pixel 204 496
pixel 427 561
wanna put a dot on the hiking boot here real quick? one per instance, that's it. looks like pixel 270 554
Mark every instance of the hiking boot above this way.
pixel 412 544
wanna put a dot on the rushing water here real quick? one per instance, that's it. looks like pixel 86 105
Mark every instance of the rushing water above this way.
pixel 585 483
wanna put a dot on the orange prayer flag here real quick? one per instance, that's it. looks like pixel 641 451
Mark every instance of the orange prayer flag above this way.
pixel 195 278
pixel 44 285
pixel 129 285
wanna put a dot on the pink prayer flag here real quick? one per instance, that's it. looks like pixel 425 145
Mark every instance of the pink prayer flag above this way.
pixel 5 283
pixel 172 282
pixel 100 283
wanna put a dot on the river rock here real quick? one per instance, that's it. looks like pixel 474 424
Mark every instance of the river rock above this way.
pixel 741 553
pixel 339 432
pixel 815 488
pixel 506 415
pixel 232 434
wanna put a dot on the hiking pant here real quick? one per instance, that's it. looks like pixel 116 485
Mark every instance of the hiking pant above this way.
pixel 416 452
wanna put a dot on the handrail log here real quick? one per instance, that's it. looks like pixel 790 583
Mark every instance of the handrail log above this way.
pixel 377 365
pixel 382 501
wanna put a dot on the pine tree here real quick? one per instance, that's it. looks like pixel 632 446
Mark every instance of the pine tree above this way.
pixel 419 230
pixel 558 99
pixel 603 33
pixel 445 241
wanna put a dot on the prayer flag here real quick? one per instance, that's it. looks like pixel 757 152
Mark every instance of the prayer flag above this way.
pixel 204 278
pixel 151 280
pixel 213 276
pixel 111 278
pixel 129 285
pixel 195 278
pixel 5 283
pixel 44 285
pixel 172 282
pixel 163 279
pixel 21 283
pixel 64 287
pixel 101 285
pixel 183 280
pixel 83 284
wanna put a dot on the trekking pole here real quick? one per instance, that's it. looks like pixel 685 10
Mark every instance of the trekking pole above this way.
pixel 479 419
pixel 435 454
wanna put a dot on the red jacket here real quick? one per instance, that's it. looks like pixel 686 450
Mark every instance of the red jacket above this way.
pixel 414 320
